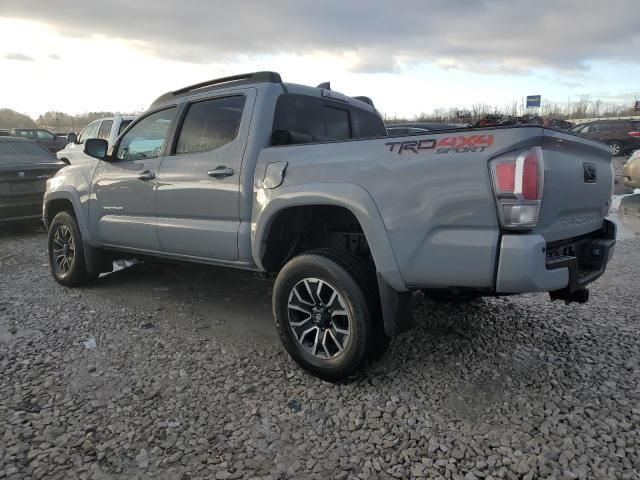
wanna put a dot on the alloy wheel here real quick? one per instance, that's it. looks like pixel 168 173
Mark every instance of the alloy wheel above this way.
pixel 318 318
pixel 64 250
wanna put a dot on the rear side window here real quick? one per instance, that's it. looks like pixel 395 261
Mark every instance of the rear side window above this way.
pixel 105 129
pixel 210 124
pixel 621 125
pixel 314 119
pixel 24 133
pixel 44 135
pixel 23 152
pixel 337 123
pixel 367 124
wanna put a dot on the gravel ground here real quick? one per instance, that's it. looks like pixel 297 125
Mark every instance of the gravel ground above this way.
pixel 175 372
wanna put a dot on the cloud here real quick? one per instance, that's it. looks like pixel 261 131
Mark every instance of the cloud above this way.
pixel 19 56
pixel 505 36
pixel 54 56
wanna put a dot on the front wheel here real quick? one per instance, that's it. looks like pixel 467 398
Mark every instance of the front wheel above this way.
pixel 66 252
pixel 324 314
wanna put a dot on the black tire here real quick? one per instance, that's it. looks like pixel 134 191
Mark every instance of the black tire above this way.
pixel 616 148
pixel 75 272
pixel 379 341
pixel 342 274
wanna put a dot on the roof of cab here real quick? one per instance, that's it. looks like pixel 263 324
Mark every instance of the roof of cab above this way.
pixel 261 77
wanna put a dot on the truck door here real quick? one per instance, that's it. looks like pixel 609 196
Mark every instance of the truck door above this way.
pixel 198 197
pixel 123 209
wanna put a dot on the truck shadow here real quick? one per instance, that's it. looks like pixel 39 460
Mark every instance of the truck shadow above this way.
pixel 482 352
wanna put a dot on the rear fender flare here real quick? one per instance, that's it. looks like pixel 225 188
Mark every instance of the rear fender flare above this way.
pixel 394 294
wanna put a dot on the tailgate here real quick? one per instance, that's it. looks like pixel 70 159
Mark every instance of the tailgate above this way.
pixel 577 186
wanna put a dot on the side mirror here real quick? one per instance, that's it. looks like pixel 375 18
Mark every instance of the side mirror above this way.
pixel 72 138
pixel 96 148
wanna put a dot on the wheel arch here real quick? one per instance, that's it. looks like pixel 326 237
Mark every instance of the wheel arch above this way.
pixel 394 295
pixel 352 198
pixel 63 200
pixel 69 201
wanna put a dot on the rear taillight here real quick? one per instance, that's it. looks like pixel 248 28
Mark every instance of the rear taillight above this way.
pixel 517 183
pixel 634 134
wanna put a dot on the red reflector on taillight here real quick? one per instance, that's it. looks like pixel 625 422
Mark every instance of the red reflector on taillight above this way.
pixel 530 177
pixel 506 177
pixel 634 134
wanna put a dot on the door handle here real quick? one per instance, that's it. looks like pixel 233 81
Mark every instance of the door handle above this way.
pixel 147 175
pixel 220 172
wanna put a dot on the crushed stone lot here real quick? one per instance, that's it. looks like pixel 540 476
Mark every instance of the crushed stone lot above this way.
pixel 175 372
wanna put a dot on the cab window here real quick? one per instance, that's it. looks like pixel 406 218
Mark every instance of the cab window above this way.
pixel 44 135
pixel 105 129
pixel 147 137
pixel 90 131
pixel 210 124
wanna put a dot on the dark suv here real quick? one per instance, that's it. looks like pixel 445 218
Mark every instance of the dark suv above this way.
pixel 621 135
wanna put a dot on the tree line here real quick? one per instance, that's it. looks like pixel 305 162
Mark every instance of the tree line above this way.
pixel 57 122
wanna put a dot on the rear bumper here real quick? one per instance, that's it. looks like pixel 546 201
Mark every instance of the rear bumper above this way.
pixel 528 264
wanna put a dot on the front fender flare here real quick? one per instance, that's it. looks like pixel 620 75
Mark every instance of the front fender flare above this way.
pixel 96 260
pixel 73 197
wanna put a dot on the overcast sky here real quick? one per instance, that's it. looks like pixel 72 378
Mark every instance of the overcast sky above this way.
pixel 409 56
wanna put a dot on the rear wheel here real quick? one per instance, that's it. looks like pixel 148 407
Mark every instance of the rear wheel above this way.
pixel 325 313
pixel 66 252
pixel 616 148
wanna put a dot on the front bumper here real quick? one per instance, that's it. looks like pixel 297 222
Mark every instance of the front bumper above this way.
pixel 528 264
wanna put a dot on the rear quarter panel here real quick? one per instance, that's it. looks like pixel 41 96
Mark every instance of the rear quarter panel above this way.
pixel 436 204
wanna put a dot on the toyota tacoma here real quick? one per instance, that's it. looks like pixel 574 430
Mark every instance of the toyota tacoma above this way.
pixel 303 182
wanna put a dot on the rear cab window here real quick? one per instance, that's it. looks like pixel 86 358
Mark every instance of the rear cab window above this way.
pixel 306 119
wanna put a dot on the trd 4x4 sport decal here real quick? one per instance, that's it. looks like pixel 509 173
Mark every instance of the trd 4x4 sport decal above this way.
pixel 460 144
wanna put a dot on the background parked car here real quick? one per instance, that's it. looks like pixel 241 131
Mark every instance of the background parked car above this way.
pixel 621 135
pixel 5 133
pixel 631 171
pixel 42 136
pixel 25 167
pixel 105 128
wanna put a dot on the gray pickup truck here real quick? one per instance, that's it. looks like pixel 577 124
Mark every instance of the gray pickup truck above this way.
pixel 253 173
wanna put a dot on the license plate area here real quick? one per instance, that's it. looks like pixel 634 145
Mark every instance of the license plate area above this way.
pixel 26 187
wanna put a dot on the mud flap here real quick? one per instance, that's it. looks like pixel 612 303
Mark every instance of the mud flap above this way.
pixel 97 261
pixel 396 309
